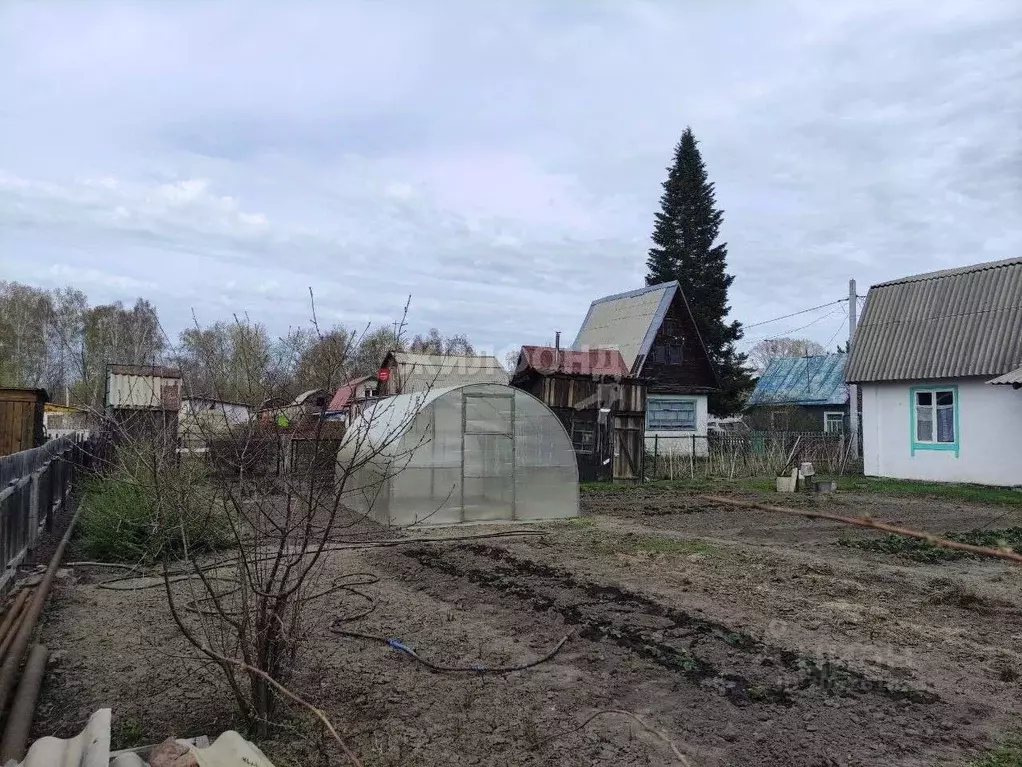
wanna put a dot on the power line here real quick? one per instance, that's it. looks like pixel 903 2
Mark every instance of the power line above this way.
pixel 788 333
pixel 795 314
pixel 843 319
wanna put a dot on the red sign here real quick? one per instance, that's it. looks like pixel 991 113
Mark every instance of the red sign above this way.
pixel 383 375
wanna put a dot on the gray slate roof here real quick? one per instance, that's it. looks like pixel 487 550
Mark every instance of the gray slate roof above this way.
pixel 419 372
pixel 627 322
pixel 1014 378
pixel 953 323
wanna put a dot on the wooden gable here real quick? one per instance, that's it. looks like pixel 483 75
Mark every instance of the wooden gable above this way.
pixel 677 361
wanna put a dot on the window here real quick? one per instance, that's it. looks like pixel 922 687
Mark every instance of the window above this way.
pixel 934 418
pixel 834 422
pixel 666 415
pixel 583 437
pixel 666 355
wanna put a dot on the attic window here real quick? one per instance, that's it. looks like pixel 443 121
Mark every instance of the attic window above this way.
pixel 667 355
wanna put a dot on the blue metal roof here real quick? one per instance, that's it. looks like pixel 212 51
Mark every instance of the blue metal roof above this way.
pixel 818 380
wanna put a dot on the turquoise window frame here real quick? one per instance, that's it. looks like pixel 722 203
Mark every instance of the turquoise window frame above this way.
pixel 652 402
pixel 944 446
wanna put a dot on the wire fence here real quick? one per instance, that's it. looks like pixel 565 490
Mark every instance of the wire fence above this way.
pixel 758 454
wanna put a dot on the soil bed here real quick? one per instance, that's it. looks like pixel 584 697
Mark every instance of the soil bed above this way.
pixel 742 637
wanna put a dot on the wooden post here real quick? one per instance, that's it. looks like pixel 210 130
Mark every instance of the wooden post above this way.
pixel 34 498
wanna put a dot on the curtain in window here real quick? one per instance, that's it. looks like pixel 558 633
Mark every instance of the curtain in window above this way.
pixel 946 424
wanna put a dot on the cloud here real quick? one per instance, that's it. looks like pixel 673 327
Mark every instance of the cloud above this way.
pixel 501 164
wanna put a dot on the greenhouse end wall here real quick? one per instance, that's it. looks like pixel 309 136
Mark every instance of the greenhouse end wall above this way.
pixel 474 453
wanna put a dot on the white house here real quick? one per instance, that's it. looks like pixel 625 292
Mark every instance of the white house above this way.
pixel 655 332
pixel 938 358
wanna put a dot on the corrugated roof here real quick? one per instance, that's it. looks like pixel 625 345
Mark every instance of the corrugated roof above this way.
pixel 626 321
pixel 953 323
pixel 345 394
pixel 814 380
pixel 1013 377
pixel 593 362
pixel 418 372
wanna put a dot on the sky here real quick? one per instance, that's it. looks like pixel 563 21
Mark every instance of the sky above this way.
pixel 499 162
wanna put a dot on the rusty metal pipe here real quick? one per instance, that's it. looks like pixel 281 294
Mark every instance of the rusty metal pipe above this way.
pixel 19 723
pixel 11 664
pixel 15 610
pixel 12 622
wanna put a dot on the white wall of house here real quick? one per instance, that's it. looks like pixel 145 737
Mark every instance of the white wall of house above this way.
pixel 988 448
pixel 678 440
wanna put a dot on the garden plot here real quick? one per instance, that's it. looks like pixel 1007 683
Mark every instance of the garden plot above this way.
pixel 735 636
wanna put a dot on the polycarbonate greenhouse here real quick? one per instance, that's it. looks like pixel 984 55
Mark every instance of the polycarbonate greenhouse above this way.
pixel 472 453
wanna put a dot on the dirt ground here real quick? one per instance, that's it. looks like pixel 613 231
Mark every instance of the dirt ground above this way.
pixel 737 636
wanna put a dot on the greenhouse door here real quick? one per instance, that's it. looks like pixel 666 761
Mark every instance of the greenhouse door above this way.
pixel 488 457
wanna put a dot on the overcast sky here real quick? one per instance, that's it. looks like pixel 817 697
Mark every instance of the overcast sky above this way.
pixel 500 161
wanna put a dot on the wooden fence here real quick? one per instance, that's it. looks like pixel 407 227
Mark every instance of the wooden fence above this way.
pixel 35 488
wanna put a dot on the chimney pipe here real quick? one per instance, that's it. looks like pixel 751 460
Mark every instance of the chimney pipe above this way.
pixel 557 341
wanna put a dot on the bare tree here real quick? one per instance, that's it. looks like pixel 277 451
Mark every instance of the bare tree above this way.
pixel 249 609
pixel 24 313
pixel 434 343
pixel 764 351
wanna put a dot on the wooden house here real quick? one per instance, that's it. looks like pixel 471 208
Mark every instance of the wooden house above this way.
pixel 937 358
pixel 601 406
pixel 21 419
pixel 656 334
pixel 803 394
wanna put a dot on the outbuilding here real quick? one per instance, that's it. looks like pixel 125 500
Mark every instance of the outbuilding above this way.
pixel 470 453
pixel 925 355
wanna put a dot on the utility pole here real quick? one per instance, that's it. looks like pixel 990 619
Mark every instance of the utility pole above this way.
pixel 853 390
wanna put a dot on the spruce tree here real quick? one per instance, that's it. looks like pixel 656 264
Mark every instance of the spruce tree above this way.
pixel 685 249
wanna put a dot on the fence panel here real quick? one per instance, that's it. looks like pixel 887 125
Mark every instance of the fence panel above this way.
pixel 35 486
pixel 737 456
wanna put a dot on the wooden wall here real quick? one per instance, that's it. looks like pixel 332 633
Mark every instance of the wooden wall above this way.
pixel 583 393
pixel 578 399
pixel 21 419
pixel 693 374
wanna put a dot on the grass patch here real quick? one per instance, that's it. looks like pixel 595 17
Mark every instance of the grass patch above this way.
pixel 126 520
pixel 652 544
pixel 923 551
pixel 1007 754
pixel 998 496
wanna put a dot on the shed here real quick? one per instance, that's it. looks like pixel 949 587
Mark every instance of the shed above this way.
pixel 143 401
pixel 471 453
pixel 405 373
pixel 21 419
pixel 600 404
pixel 806 394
